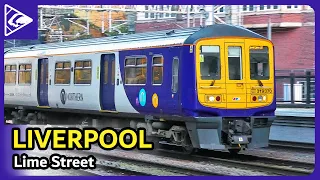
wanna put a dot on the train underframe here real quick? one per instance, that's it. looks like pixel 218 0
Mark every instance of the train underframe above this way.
pixel 211 133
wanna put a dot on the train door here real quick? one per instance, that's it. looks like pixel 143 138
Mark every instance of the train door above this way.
pixel 211 70
pixel 43 82
pixel 235 75
pixel 107 82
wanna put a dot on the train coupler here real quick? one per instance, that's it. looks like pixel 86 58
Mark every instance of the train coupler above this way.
pixel 239 132
pixel 238 140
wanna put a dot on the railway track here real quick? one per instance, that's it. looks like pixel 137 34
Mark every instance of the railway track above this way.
pixel 102 168
pixel 135 167
pixel 70 172
pixel 292 145
pixel 305 122
pixel 270 165
pixel 104 171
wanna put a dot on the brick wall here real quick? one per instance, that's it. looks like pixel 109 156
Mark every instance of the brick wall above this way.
pixel 169 24
pixel 278 18
pixel 294 47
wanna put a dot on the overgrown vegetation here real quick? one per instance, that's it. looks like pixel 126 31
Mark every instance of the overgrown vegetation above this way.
pixel 122 28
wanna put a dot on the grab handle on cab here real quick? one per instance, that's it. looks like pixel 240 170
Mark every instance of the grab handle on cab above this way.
pixel 264 87
pixel 210 87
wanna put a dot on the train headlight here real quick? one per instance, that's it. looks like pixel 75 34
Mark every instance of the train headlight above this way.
pixel 211 98
pixel 262 98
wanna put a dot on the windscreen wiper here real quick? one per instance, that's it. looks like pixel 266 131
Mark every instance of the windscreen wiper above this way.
pixel 260 83
pixel 212 83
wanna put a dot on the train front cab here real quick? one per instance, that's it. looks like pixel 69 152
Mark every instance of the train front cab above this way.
pixel 235 83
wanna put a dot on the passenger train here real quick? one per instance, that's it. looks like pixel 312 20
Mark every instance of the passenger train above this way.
pixel 198 88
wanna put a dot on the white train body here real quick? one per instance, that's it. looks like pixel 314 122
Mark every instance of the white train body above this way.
pixel 26 95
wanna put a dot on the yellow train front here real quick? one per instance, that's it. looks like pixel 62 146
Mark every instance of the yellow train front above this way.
pixel 228 87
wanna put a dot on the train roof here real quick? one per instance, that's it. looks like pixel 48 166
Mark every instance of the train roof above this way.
pixel 131 41
pixel 221 30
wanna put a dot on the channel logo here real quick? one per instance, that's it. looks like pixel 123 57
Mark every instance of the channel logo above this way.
pixel 236 99
pixel 14 20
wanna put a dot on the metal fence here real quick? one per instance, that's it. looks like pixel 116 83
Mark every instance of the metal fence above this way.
pixel 295 87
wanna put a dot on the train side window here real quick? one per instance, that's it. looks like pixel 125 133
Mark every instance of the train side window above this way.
pixel 175 73
pixel 42 74
pixel 259 63
pixel 113 72
pixel 235 63
pixel 44 77
pixel 157 70
pixel 210 67
pixel 47 74
pixel 136 70
pixel 62 73
pixel 82 72
pixel 105 72
pixel 10 74
pixel 24 74
pixel 130 62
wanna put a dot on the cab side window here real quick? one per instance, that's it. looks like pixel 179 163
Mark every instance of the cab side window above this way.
pixel 175 73
pixel 136 70
pixel 82 72
pixel 210 66
pixel 157 70
pixel 10 74
pixel 62 73
pixel 259 63
pixel 24 74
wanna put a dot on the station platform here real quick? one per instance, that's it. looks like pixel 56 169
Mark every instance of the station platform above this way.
pixel 296 112
pixel 294 134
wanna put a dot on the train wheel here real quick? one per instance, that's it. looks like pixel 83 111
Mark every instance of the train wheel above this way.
pixel 188 149
pixel 154 140
pixel 187 145
pixel 234 151
pixel 17 121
